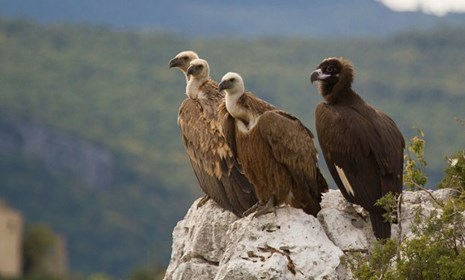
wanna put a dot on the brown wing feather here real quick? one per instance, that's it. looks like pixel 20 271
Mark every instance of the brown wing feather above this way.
pixel 278 156
pixel 292 145
pixel 254 104
pixel 367 145
pixel 211 157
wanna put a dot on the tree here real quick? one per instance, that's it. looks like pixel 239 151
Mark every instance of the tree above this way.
pixel 38 241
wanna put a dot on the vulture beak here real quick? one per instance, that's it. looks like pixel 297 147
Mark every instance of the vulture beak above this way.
pixel 318 75
pixel 174 62
pixel 224 85
pixel 190 71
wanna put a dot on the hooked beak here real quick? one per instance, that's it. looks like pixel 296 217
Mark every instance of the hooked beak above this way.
pixel 190 71
pixel 318 75
pixel 224 85
pixel 174 62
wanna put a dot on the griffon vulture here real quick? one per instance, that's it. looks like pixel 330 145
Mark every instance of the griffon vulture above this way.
pixel 274 148
pixel 362 146
pixel 213 162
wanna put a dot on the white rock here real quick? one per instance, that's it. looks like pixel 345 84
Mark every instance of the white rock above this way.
pixel 211 243
pixel 414 202
pixel 194 269
pixel 289 245
pixel 334 199
pixel 199 242
pixel 443 195
pixel 347 231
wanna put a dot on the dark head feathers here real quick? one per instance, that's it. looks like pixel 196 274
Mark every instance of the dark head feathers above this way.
pixel 334 75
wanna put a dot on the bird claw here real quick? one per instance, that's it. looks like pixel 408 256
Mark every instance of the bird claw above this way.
pixel 203 201
pixel 250 210
pixel 261 209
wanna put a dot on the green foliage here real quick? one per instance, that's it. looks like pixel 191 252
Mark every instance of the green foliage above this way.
pixel 437 248
pixel 414 176
pixel 376 264
pixel 38 241
pixel 99 276
pixel 455 172
pixel 389 203
pixel 146 273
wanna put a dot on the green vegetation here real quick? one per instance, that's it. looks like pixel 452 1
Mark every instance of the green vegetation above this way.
pixel 114 88
pixel 454 174
pixel 38 241
pixel 437 249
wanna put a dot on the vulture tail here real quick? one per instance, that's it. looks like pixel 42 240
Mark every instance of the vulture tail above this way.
pixel 381 228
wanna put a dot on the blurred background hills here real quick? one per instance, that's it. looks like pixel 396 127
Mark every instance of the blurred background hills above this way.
pixel 206 18
pixel 88 137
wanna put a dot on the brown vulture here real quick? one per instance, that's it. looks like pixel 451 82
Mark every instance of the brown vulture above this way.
pixel 274 148
pixel 362 146
pixel 211 158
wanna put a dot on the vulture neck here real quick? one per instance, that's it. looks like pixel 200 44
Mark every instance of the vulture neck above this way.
pixel 193 87
pixel 338 93
pixel 187 77
pixel 233 102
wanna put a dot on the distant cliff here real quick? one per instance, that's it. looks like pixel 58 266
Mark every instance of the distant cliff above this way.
pixel 92 164
pixel 211 243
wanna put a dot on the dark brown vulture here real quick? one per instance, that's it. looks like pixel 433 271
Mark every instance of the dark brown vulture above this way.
pixel 274 148
pixel 211 158
pixel 362 146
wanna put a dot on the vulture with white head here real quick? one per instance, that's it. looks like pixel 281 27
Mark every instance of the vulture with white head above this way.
pixel 274 148
pixel 212 160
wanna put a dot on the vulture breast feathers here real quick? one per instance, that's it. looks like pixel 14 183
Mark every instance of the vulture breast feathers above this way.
pixel 211 157
pixel 362 146
pixel 275 149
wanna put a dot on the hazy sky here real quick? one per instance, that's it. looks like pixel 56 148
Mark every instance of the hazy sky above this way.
pixel 436 7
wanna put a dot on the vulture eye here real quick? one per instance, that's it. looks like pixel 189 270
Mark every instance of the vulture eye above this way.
pixel 232 80
pixel 330 69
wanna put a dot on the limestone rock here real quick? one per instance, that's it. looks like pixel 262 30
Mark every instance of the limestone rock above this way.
pixel 199 242
pixel 211 243
pixel 288 245
pixel 345 224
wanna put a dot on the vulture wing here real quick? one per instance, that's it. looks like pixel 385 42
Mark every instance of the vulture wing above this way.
pixel 291 144
pixel 212 159
pixel 363 150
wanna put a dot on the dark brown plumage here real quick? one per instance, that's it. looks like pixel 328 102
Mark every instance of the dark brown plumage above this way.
pixel 274 148
pixel 211 158
pixel 362 146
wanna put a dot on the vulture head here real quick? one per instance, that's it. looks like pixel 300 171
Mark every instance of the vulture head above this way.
pixel 182 60
pixel 198 69
pixel 232 84
pixel 333 75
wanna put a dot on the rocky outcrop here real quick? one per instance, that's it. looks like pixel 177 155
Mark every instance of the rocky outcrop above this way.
pixel 211 243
